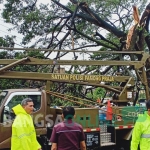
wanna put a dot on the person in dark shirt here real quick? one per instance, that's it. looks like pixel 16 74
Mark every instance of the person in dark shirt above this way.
pixel 68 135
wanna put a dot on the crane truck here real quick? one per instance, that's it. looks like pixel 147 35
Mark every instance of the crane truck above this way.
pixel 98 135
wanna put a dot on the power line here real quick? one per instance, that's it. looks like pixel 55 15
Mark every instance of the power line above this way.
pixel 10 34
pixel 4 22
pixel 15 43
pixel 4 26
pixel 8 28
pixel 19 45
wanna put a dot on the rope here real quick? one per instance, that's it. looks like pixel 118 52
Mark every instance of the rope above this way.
pixel 58 95
pixel 62 96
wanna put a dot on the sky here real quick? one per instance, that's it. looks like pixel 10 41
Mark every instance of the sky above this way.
pixel 4 27
pixel 4 30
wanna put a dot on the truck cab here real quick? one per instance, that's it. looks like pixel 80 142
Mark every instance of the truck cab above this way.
pixel 10 98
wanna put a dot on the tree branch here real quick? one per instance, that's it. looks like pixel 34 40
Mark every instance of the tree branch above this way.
pixel 94 19
pixel 104 39
pixel 101 22
pixel 90 38
pixel 144 22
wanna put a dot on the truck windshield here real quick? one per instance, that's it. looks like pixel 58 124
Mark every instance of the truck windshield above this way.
pixel 2 96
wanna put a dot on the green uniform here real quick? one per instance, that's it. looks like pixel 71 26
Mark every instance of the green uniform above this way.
pixel 23 131
pixel 141 133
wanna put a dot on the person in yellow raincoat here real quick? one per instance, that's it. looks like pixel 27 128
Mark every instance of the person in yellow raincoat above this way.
pixel 141 131
pixel 23 131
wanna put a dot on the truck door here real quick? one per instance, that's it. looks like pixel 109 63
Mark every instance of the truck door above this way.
pixel 8 116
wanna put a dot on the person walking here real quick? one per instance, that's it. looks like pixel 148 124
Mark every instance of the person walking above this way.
pixel 141 131
pixel 23 131
pixel 68 135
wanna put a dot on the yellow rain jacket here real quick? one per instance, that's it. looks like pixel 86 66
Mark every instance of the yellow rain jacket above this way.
pixel 23 131
pixel 141 133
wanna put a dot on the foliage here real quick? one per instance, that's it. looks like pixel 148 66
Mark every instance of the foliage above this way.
pixel 97 93
pixel 53 21
pixel 7 41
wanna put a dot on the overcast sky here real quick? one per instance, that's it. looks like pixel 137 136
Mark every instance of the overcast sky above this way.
pixel 4 27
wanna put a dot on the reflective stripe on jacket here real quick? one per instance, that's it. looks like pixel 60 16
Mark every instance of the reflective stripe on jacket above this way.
pixel 145 136
pixel 23 131
pixel 141 133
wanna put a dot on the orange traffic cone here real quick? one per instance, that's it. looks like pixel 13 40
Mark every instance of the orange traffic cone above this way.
pixel 109 113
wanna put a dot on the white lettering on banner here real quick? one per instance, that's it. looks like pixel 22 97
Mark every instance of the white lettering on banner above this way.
pixel 132 114
pixel 58 119
pixel 50 122
pixel 38 122
pixel 77 77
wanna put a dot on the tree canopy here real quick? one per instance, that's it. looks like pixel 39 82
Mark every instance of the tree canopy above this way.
pixel 88 24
